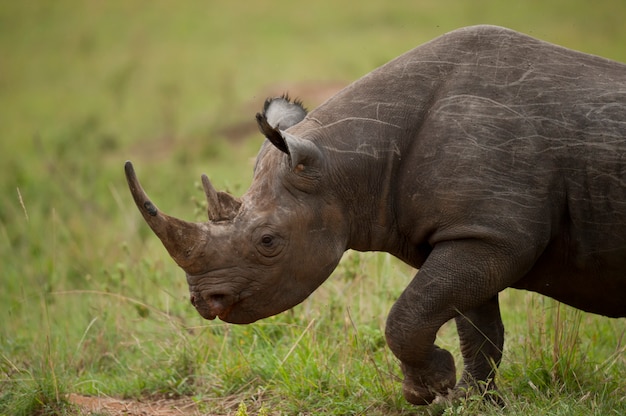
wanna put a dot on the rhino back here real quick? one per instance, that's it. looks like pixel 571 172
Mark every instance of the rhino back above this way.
pixel 541 131
pixel 488 129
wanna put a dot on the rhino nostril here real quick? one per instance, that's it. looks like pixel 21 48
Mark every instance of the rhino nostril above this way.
pixel 217 301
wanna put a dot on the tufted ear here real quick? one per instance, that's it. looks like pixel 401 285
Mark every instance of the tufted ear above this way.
pixel 272 134
pixel 283 112
pixel 278 115
pixel 302 153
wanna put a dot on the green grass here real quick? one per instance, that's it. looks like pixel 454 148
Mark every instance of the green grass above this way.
pixel 90 301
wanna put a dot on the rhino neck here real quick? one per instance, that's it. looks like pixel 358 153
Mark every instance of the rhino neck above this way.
pixel 367 130
pixel 372 225
pixel 361 175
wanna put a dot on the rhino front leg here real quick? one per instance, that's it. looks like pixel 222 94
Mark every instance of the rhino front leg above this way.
pixel 429 371
pixel 481 334
pixel 459 278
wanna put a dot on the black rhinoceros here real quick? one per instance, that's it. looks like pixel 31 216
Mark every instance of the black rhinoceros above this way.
pixel 485 158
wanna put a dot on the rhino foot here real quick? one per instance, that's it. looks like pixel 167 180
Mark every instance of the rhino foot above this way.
pixel 422 385
pixel 467 387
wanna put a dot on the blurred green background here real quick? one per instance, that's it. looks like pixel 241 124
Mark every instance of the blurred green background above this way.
pixel 85 85
pixel 174 86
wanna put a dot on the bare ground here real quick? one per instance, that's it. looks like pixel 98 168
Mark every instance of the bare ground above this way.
pixel 111 406
pixel 182 406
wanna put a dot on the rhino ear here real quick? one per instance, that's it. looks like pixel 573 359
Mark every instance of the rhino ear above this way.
pixel 304 155
pixel 279 114
pixel 272 134
pixel 283 112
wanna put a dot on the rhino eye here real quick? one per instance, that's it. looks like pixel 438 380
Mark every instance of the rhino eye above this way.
pixel 267 241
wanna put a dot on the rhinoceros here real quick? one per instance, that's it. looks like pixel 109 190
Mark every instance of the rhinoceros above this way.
pixel 485 158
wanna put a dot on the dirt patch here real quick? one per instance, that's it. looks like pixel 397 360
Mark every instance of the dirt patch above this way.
pixel 149 406
pixel 110 406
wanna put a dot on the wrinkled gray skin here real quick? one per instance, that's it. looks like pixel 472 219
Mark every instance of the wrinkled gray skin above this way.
pixel 485 158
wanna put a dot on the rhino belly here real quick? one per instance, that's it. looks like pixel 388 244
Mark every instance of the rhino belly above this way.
pixel 593 281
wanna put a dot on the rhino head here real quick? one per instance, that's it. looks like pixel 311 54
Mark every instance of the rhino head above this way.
pixel 265 252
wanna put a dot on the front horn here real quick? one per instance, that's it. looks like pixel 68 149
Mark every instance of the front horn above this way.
pixel 183 240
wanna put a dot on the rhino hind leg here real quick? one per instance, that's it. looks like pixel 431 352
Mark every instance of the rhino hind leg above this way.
pixel 481 335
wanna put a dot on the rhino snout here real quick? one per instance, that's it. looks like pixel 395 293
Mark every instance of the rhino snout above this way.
pixel 212 305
